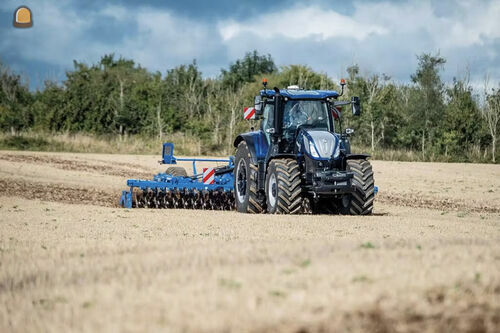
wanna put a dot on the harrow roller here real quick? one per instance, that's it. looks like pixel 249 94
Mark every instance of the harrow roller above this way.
pixel 185 199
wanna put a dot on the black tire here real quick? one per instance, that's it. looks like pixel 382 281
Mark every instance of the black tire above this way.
pixel 176 171
pixel 247 196
pixel 283 187
pixel 361 200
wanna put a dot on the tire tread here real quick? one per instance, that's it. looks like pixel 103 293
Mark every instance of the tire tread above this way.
pixel 289 198
pixel 363 196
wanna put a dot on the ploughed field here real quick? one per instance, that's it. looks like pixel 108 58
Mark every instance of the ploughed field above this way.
pixel 70 260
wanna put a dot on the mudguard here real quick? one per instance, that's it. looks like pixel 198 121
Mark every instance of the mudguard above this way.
pixel 357 156
pixel 257 144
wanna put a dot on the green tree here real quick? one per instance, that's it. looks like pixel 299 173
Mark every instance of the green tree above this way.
pixel 48 108
pixel 184 92
pixel 244 70
pixel 461 126
pixel 381 116
pixel 99 98
pixel 491 113
pixel 426 110
pixel 14 101
pixel 304 77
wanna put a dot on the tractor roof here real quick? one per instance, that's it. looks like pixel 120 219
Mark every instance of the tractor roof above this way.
pixel 302 94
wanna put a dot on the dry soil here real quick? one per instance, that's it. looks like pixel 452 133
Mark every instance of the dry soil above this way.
pixel 428 260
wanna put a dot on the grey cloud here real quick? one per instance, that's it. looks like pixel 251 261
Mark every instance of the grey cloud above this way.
pixel 159 37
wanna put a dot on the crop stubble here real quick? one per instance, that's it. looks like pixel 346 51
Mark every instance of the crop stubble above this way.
pixel 428 260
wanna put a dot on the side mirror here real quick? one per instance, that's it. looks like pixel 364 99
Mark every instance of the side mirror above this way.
pixel 258 105
pixel 356 106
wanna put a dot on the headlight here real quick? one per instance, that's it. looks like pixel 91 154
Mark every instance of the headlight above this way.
pixel 336 151
pixel 312 149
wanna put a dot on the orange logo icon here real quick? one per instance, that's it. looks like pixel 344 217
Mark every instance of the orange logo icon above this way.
pixel 23 17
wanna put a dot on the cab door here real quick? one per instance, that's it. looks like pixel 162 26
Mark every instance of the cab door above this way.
pixel 267 120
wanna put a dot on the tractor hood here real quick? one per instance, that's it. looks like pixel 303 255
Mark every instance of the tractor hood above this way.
pixel 318 144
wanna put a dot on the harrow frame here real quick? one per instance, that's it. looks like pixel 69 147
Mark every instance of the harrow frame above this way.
pixel 164 185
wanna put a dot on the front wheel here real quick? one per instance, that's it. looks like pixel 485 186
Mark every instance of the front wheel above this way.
pixel 283 187
pixel 360 202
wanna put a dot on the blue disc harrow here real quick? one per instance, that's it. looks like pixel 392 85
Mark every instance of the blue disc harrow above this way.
pixel 212 189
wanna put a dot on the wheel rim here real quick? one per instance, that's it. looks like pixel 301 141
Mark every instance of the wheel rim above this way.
pixel 272 190
pixel 241 180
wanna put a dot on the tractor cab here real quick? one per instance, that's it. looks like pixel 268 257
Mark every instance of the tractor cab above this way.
pixel 296 110
pixel 288 114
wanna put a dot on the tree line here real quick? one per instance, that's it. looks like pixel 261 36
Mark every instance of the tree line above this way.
pixel 117 97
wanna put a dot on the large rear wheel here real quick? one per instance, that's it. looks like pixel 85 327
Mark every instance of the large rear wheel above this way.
pixel 361 200
pixel 248 198
pixel 283 187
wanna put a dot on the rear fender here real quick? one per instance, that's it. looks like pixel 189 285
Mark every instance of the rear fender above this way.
pixel 257 145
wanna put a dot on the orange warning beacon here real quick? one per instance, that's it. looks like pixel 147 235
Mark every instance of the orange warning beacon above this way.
pixel 23 17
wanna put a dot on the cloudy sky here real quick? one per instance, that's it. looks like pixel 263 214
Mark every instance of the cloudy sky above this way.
pixel 327 35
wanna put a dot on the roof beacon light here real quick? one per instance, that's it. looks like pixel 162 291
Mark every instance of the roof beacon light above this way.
pixel 294 87
pixel 342 84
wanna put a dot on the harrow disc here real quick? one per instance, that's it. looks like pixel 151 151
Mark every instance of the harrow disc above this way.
pixel 183 198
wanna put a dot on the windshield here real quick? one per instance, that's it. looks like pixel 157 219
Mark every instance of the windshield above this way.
pixel 310 114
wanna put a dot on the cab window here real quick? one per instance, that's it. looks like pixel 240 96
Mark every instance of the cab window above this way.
pixel 268 119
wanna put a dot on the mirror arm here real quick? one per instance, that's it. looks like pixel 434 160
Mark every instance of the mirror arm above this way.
pixel 341 103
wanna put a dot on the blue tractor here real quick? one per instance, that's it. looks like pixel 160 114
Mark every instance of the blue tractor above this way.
pixel 300 159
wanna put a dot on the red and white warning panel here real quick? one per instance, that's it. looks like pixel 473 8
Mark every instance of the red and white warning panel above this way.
pixel 208 176
pixel 249 113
